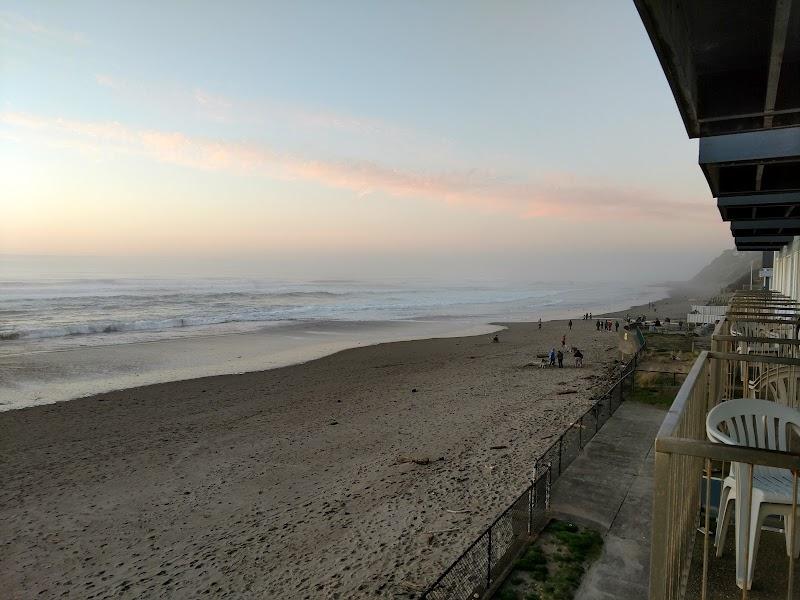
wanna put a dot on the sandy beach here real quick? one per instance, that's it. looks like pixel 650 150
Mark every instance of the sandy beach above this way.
pixel 289 483
pixel 29 377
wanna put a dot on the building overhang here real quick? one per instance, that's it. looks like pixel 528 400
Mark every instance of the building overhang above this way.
pixel 732 66
pixel 760 242
pixel 766 227
pixel 779 205
pixel 753 162
pixel 734 70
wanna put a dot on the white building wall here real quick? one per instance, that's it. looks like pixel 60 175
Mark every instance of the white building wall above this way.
pixel 786 270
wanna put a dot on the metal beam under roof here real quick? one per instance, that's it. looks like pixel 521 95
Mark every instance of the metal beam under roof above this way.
pixel 753 239
pixel 752 162
pixel 758 247
pixel 766 227
pixel 761 242
pixel 780 205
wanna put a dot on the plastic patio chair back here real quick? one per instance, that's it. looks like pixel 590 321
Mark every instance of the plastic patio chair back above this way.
pixel 779 384
pixel 752 423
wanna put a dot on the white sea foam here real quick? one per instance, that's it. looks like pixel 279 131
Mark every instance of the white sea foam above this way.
pixel 49 313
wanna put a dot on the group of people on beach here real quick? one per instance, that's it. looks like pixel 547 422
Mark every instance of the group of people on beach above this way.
pixel 607 325
pixel 557 357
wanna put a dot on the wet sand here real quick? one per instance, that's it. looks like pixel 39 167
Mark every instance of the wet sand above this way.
pixel 288 483
pixel 29 377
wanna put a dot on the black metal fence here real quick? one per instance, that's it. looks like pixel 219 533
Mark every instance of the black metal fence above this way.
pixel 488 558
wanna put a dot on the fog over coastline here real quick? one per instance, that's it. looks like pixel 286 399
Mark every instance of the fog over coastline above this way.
pixel 562 263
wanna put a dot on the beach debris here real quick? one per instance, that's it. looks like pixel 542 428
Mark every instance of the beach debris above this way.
pixel 457 512
pixel 498 447
pixel 417 460
pixel 333 423
pixel 563 392
pixel 413 587
pixel 414 390
pixel 451 530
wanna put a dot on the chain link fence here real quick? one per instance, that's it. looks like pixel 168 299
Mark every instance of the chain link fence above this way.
pixel 489 557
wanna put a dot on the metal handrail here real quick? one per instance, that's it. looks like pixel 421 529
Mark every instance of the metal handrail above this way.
pixel 721 452
pixel 769 317
pixel 760 358
pixel 670 423
pixel 757 340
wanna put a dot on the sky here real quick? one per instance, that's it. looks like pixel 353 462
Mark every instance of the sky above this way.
pixel 349 138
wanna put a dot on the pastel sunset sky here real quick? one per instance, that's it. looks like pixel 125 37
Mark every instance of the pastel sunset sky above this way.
pixel 375 137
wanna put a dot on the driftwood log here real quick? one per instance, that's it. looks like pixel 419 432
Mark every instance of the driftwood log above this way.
pixel 417 460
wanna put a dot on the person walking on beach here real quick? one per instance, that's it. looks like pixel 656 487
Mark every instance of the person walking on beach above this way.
pixel 578 358
pixel 552 357
pixel 597 325
pixel 616 325
pixel 540 323
pixel 563 341
pixel 560 356
pixel 570 324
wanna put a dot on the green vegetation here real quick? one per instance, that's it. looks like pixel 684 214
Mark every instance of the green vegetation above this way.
pixel 668 343
pixel 662 397
pixel 663 367
pixel 552 567
pixel 533 562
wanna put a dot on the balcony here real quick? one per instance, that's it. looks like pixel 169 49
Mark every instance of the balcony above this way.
pixel 755 354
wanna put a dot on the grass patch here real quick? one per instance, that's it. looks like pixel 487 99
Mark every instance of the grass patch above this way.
pixel 662 397
pixel 552 567
pixel 668 353
pixel 666 342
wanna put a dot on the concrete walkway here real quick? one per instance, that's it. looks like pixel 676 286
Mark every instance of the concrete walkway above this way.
pixel 610 487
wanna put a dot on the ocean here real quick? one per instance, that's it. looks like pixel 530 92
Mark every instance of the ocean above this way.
pixel 66 312
pixel 73 333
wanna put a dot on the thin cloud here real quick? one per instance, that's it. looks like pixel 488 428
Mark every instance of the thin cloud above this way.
pixel 18 24
pixel 555 195
pixel 217 107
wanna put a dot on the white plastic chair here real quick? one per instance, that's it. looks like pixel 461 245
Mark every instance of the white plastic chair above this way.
pixel 756 424
pixel 779 384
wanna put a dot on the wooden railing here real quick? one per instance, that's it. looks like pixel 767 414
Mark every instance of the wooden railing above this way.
pixel 683 457
pixel 739 366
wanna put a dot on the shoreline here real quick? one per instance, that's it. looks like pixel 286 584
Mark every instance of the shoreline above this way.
pixel 121 366
pixel 290 482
